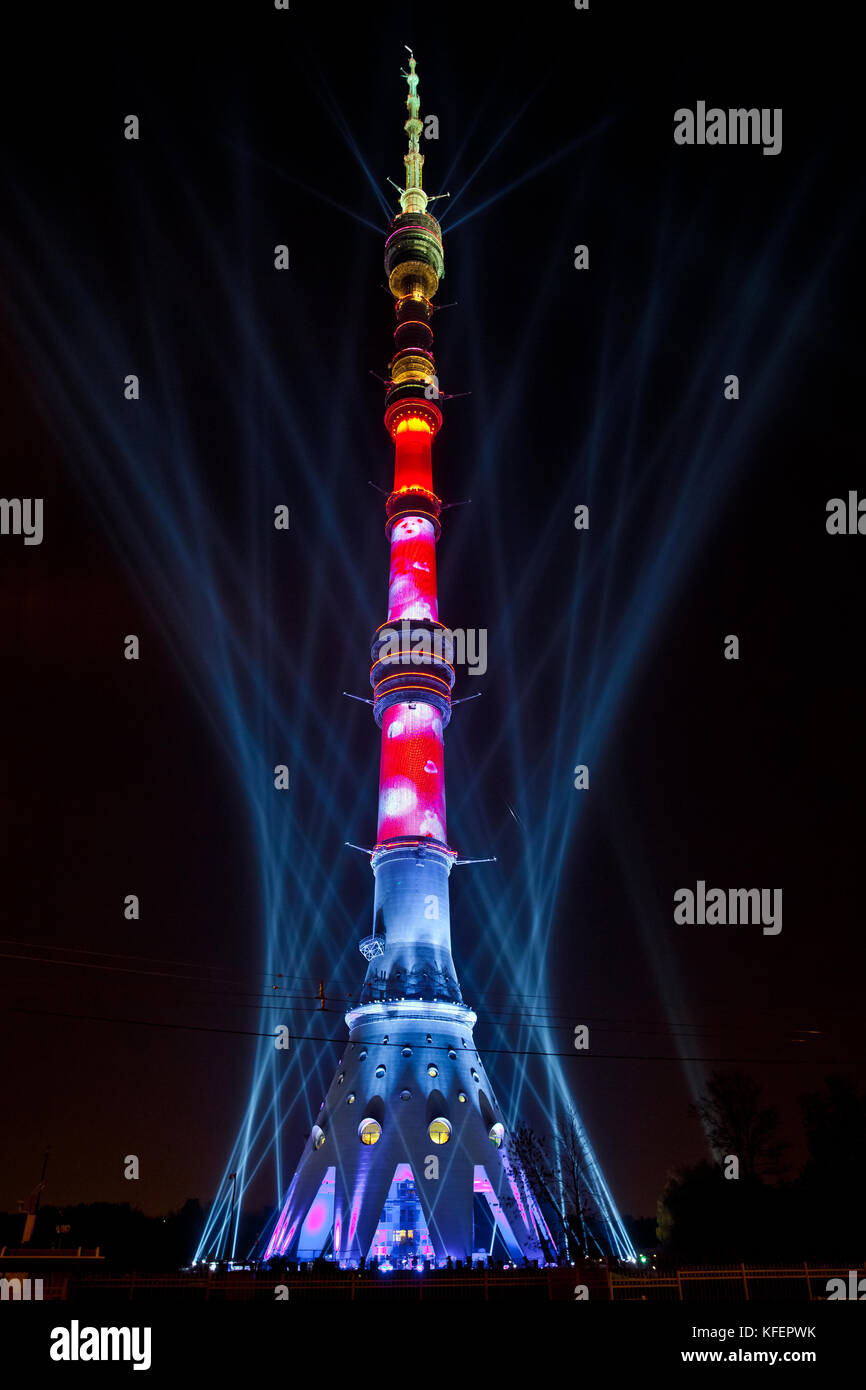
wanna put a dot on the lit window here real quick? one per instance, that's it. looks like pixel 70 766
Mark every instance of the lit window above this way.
pixel 380 1070
pixel 496 1134
pixel 432 1070
pixel 462 1097
pixel 405 1095
pixel 350 1098
pixel 318 1137
pixel 369 1131
pixel 440 1131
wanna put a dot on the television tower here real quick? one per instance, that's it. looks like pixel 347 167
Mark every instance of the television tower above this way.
pixel 410 1136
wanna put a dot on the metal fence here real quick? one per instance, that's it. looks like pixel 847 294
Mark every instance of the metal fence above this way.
pixel 741 1283
pixel 732 1283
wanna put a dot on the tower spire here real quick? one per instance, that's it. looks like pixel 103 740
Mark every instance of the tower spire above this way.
pixel 413 199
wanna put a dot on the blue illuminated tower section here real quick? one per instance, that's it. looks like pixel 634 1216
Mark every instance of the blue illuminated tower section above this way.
pixel 410 1145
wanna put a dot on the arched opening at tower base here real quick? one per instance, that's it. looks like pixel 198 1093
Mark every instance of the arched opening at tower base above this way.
pixel 318 1226
pixel 402 1234
pixel 402 1237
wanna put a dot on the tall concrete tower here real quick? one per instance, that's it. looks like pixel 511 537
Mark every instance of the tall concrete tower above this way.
pixel 410 1140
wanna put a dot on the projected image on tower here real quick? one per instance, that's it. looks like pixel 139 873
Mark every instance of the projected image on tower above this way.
pixel 411 779
pixel 412 580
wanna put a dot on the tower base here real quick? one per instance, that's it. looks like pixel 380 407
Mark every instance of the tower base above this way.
pixel 411 1106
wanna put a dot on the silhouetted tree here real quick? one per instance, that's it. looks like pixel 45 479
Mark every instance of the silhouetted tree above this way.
pixel 736 1123
pixel 829 1191
pixel 704 1216
pixel 556 1170
pixel 126 1237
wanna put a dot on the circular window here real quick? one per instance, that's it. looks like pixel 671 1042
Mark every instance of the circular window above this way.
pixel 440 1131
pixel 462 1097
pixel 369 1131
pixel 496 1134
pixel 380 1070
pixel 385 1039
pixel 341 1078
pixel 432 1071
pixel 407 1052
pixel 429 1037
pixel 452 1054
pixel 405 1095
pixel 318 1137
pixel 474 1074
pixel 350 1098
pixel 362 1056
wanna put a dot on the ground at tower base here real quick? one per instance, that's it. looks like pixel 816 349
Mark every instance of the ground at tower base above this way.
pixel 38 1275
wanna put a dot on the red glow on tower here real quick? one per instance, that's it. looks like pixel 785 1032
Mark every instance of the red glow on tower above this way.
pixel 413 464
pixel 412 774
pixel 412 580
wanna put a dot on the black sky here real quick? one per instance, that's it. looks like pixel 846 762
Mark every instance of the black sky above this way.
pixel 745 774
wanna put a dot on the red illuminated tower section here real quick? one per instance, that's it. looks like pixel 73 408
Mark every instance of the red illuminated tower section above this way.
pixel 410 1139
pixel 412 782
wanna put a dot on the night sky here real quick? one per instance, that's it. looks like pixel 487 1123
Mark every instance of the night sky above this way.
pixel 604 387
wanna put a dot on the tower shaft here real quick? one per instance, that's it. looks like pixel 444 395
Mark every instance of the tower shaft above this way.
pixel 410 1123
